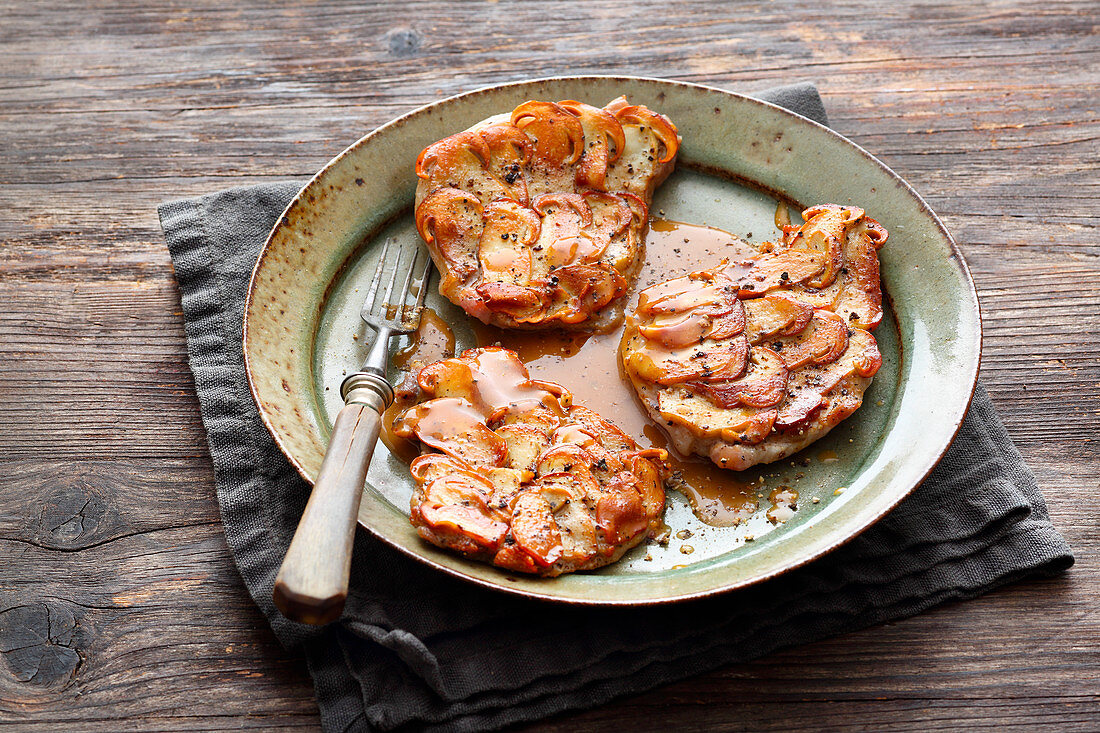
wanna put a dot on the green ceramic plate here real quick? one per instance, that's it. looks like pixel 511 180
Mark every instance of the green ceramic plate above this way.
pixel 738 155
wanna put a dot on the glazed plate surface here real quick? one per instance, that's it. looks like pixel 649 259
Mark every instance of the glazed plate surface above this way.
pixel 739 157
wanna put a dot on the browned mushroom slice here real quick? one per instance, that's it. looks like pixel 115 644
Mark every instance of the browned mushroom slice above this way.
pixel 722 359
pixel 452 160
pixel 702 292
pixel 564 239
pixel 760 275
pixel 535 530
pixel 651 142
pixel 764 383
pixel 676 330
pixel 774 315
pixel 507 485
pixel 504 250
pixel 807 387
pixel 429 467
pixel 606 432
pixel 624 247
pixel 503 384
pixel 729 324
pixel 821 342
pixel 860 303
pixel 557 135
pixel 611 214
pixel 661 127
pixel 456 503
pixel 455 427
pixel 585 289
pixel 620 512
pixel 604 143
pixel 702 417
pixel 823 234
pixel 565 458
pixel 525 445
pixel 703 303
pixel 650 486
pixel 522 304
pixel 575 525
pixel 825 298
pixel 449 378
pixel 450 222
pixel 509 152
pixel 575 434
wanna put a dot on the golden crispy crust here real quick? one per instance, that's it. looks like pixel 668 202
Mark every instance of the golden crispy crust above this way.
pixel 538 219
pixel 751 361
pixel 515 474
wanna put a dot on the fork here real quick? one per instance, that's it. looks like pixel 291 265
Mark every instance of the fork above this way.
pixel 312 583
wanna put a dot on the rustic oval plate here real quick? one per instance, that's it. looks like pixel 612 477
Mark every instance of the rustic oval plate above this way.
pixel 302 331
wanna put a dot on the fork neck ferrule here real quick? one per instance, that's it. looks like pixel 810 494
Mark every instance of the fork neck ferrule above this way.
pixel 367 388
pixel 379 355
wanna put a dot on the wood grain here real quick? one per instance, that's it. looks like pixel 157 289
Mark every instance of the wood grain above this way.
pixel 120 608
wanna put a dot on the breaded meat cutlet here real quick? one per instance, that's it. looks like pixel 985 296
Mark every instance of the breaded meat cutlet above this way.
pixel 514 474
pixel 538 219
pixel 751 361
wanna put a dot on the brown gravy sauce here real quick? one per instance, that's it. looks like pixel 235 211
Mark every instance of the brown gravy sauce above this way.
pixel 784 501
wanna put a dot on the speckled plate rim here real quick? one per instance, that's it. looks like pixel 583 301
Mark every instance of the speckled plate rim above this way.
pixel 447 563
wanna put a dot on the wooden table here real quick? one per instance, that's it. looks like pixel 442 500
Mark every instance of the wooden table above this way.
pixel 119 605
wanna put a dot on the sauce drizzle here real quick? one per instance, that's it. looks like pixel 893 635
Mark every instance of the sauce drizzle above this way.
pixel 432 341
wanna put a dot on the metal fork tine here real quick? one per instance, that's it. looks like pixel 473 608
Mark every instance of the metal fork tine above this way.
pixel 388 303
pixel 422 285
pixel 402 307
pixel 368 302
pixel 392 309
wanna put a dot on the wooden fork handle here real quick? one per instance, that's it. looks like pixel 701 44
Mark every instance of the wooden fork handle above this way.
pixel 312 583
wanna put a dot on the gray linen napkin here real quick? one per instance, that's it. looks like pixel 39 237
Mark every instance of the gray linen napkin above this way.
pixel 421 649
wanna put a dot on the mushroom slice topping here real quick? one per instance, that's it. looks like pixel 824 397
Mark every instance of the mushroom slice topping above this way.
pixel 822 341
pixel 581 289
pixel 774 315
pixel 509 152
pixel 620 512
pixel 524 445
pixel 604 143
pixel 807 387
pixel 454 426
pixel 456 503
pixel 565 237
pixel 535 530
pixel 701 416
pixel 450 221
pixel 860 303
pixel 453 159
pixel 824 234
pixel 710 360
pixel 504 249
pixel 763 385
pixel 557 135
pixel 767 272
